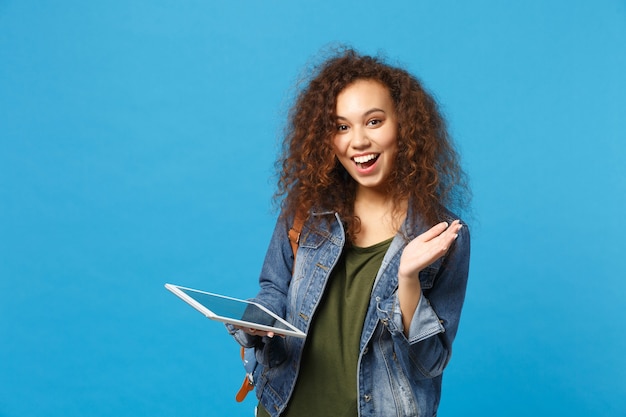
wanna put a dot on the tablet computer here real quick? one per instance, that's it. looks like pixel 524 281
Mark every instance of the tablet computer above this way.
pixel 235 311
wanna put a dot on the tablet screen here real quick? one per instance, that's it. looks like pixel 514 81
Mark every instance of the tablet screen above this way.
pixel 235 311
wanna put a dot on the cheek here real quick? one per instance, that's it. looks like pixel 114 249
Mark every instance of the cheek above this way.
pixel 340 158
pixel 391 141
pixel 337 146
pixel 335 154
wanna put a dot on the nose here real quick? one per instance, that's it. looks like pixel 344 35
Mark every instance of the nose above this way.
pixel 360 139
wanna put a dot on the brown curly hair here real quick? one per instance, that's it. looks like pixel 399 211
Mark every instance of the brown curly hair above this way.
pixel 427 172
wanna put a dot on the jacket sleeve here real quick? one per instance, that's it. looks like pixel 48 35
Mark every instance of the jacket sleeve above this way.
pixel 426 351
pixel 274 281
pixel 276 272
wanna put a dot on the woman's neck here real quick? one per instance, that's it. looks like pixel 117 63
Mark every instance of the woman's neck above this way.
pixel 380 216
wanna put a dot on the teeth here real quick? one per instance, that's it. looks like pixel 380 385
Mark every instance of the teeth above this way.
pixel 365 158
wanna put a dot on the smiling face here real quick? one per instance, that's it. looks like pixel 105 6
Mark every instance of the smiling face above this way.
pixel 366 138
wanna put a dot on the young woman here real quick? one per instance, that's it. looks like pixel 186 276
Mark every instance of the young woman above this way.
pixel 379 278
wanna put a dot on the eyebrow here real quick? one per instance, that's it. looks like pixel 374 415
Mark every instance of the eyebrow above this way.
pixel 367 113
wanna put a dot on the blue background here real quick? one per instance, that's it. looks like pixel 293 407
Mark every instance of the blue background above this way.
pixel 137 142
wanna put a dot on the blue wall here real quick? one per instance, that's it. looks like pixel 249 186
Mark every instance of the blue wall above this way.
pixel 137 142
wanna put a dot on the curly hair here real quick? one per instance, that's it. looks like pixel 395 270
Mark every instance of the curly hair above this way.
pixel 426 173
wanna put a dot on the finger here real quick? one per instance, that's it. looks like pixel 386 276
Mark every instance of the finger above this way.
pixel 450 235
pixel 453 229
pixel 433 232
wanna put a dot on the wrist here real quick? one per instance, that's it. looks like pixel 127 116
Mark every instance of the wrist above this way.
pixel 409 283
pixel 410 277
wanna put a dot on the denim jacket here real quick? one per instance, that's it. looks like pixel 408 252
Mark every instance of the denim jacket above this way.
pixel 397 375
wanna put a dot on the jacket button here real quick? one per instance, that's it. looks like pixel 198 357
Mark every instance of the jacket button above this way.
pixel 367 349
pixel 368 398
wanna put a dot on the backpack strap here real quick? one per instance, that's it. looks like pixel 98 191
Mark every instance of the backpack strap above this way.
pixel 294 240
pixel 248 380
pixel 294 234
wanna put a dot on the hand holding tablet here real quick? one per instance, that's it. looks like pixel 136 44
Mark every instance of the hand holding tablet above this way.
pixel 247 315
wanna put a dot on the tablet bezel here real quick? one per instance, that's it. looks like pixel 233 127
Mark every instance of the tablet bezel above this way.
pixel 290 331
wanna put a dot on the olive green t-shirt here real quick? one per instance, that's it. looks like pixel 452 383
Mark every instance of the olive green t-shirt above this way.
pixel 327 381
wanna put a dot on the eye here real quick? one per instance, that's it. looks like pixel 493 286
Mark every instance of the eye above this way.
pixel 374 122
pixel 342 128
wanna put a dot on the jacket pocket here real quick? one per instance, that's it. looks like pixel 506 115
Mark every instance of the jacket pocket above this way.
pixel 313 239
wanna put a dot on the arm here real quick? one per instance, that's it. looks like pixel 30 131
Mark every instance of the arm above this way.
pixel 423 340
pixel 274 283
pixel 418 254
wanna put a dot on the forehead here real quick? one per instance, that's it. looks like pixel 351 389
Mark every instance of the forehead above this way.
pixel 364 95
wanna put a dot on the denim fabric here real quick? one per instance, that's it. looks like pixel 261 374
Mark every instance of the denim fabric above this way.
pixel 398 375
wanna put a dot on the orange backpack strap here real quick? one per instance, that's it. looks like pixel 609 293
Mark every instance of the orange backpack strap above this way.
pixel 248 383
pixel 294 234
pixel 294 239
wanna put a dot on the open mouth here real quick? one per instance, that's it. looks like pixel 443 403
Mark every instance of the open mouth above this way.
pixel 366 161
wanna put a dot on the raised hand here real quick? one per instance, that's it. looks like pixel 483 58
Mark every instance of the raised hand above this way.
pixel 427 248
pixel 417 255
